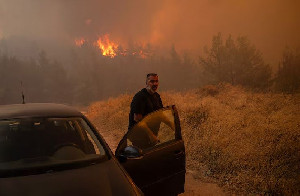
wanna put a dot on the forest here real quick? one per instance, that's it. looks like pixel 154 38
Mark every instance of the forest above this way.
pixel 84 75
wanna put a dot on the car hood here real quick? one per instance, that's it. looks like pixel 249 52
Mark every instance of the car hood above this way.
pixel 105 178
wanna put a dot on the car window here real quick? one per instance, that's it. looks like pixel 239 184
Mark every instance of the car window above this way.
pixel 155 129
pixel 35 142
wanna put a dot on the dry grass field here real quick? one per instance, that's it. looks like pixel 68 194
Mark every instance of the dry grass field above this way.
pixel 246 142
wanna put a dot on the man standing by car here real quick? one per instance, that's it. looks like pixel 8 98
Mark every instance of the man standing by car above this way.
pixel 145 101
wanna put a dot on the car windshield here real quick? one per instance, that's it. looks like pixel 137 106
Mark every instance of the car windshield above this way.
pixel 40 142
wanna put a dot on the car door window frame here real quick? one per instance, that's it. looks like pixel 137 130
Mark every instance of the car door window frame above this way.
pixel 178 136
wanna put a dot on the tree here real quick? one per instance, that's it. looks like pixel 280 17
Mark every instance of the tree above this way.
pixel 43 59
pixel 236 62
pixel 288 74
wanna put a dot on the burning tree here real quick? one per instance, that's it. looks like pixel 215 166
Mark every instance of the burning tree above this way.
pixel 111 48
pixel 107 47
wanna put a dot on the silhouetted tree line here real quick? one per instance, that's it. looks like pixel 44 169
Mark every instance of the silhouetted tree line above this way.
pixel 96 77
pixel 237 62
pixel 287 78
pixel 87 76
pixel 39 79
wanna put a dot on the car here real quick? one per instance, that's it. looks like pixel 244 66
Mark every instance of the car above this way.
pixel 53 149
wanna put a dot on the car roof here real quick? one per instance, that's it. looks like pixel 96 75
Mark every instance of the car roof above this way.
pixel 37 110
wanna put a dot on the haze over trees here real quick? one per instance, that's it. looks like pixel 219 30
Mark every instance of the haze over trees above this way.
pixel 84 75
pixel 288 75
pixel 237 62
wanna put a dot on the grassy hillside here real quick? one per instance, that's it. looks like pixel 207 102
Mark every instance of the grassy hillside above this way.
pixel 247 142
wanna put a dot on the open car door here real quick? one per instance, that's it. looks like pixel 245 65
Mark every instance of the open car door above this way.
pixel 153 153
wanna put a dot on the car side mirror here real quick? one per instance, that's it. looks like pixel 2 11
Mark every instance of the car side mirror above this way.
pixel 130 152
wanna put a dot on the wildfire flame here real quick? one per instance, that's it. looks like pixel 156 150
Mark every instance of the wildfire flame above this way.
pixel 79 42
pixel 111 49
pixel 107 47
pixel 142 54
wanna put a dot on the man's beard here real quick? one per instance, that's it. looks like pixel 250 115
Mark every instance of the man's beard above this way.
pixel 154 88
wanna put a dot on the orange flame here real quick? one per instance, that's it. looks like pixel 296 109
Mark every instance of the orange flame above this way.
pixel 142 54
pixel 107 47
pixel 111 49
pixel 79 42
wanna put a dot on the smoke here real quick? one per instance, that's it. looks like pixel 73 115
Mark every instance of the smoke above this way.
pixel 83 75
pixel 270 25
pixel 189 25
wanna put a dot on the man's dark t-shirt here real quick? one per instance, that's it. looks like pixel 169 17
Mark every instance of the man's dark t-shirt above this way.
pixel 144 103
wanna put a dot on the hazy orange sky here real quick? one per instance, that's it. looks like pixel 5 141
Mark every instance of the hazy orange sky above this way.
pixel 269 24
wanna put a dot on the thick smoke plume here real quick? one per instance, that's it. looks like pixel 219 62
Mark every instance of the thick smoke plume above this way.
pixel 38 44
pixel 189 25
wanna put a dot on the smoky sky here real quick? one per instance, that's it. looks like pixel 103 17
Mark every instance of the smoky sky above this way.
pixel 270 25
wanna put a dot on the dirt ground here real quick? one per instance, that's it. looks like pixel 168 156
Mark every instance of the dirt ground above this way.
pixel 194 187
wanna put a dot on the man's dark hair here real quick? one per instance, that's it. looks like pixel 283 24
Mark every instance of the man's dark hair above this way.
pixel 150 74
